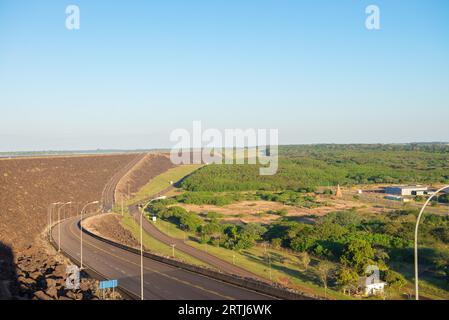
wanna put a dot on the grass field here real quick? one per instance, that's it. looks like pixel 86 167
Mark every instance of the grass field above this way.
pixel 162 182
pixel 284 266
pixel 154 245
pixel 287 269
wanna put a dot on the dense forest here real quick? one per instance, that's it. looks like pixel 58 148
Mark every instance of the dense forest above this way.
pixel 322 165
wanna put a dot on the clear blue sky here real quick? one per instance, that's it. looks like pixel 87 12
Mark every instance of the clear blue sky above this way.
pixel 138 69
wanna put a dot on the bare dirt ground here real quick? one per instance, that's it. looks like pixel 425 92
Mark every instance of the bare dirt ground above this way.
pixel 148 168
pixel 250 211
pixel 27 187
pixel 108 226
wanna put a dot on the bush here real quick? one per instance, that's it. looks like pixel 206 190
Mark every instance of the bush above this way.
pixel 345 277
pixel 357 254
pixel 394 279
pixel 280 212
pixel 302 243
pixel 276 243
pixel 190 222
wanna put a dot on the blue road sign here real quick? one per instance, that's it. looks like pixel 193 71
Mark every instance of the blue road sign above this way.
pixel 108 284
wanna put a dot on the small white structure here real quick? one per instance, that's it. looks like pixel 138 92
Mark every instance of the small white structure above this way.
pixel 406 190
pixel 396 198
pixel 154 218
pixel 371 286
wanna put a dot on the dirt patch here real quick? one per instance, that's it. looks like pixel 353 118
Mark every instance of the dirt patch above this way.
pixel 256 211
pixel 29 185
pixel 146 169
pixel 108 226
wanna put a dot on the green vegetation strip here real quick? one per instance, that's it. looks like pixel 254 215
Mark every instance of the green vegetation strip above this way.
pixel 154 245
pixel 162 182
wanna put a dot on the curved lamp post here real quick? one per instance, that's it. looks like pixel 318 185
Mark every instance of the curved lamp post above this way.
pixel 81 229
pixel 141 241
pixel 51 207
pixel 59 223
pixel 416 238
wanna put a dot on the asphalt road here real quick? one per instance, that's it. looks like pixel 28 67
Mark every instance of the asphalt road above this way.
pixel 180 245
pixel 161 281
pixel 108 195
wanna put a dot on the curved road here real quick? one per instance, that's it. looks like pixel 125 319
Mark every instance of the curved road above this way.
pixel 108 194
pixel 208 258
pixel 161 281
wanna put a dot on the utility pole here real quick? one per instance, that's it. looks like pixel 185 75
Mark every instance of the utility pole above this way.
pixel 141 258
pixel 51 207
pixel 59 224
pixel 141 241
pixel 81 229
pixel 173 249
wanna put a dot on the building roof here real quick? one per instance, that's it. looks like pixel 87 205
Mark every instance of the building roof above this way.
pixel 409 187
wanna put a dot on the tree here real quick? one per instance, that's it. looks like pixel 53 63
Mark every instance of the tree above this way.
pixel 190 222
pixel 276 243
pixel 327 230
pixel 302 243
pixel 324 269
pixel 231 231
pixel 254 230
pixel 304 260
pixel 394 279
pixel 345 278
pixel 358 254
pixel 211 229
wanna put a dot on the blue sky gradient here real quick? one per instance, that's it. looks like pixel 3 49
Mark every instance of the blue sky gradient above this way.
pixel 136 70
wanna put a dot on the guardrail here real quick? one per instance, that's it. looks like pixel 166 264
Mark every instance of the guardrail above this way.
pixel 94 274
pixel 247 283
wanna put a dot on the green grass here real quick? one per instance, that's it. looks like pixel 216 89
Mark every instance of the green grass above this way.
pixel 171 230
pixel 154 245
pixel 253 260
pixel 284 268
pixel 162 182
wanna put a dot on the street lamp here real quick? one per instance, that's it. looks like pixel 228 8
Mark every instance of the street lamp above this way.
pixel 50 211
pixel 416 238
pixel 141 242
pixel 81 229
pixel 59 224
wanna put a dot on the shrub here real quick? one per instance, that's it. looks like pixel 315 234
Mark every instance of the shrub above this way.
pixel 394 279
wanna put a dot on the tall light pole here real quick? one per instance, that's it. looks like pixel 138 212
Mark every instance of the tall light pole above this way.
pixel 59 224
pixel 416 239
pixel 81 229
pixel 141 242
pixel 50 211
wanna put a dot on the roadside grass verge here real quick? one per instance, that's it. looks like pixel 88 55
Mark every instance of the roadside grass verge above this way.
pixel 154 245
pixel 284 266
pixel 162 182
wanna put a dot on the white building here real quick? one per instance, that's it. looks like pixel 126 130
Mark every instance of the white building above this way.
pixel 406 190
pixel 396 198
pixel 371 286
